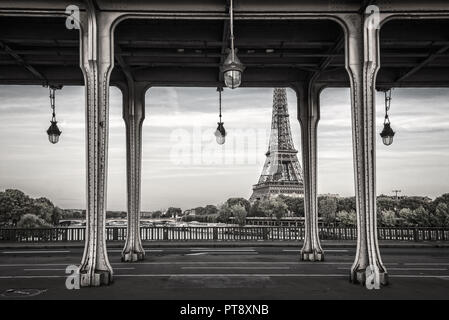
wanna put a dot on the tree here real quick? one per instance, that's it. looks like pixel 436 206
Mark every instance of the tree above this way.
pixel 327 209
pixel 173 212
pixel 210 209
pixel 13 205
pixel 414 203
pixel 346 204
pixel 441 215
pixel 407 217
pixel 387 218
pixel 295 205
pixel 156 214
pixel 256 210
pixel 422 217
pixel 239 213
pixel 224 213
pixel 30 220
pixel 385 203
pixel 347 219
pixel 56 215
pixel 199 211
pixel 274 207
pixel 240 201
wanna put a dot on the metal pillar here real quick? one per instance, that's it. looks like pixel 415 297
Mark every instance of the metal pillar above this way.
pixel 308 116
pixel 362 63
pixel 133 114
pixel 96 64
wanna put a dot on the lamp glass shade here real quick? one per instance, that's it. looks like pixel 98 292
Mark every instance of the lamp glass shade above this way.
pixel 53 132
pixel 233 78
pixel 220 133
pixel 387 134
pixel 232 70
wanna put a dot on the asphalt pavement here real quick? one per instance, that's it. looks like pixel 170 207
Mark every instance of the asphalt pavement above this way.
pixel 242 272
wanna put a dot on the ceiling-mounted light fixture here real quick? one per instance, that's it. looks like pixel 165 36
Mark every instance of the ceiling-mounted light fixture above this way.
pixel 387 133
pixel 53 131
pixel 232 68
pixel 220 133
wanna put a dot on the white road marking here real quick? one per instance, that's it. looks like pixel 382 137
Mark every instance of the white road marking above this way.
pixel 411 269
pixel 224 250
pixel 152 250
pixel 299 250
pixel 231 275
pixel 228 267
pixel 427 264
pixel 36 269
pixel 417 276
pixel 419 269
pixel 291 275
pixel 196 254
pixel 37 251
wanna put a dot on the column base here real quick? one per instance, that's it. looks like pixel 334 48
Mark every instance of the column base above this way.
pixel 359 277
pixel 133 256
pixel 312 256
pixel 99 278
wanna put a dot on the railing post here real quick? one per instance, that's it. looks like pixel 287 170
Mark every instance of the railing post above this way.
pixel 215 233
pixel 165 231
pixel 64 235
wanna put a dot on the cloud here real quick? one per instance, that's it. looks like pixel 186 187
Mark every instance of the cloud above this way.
pixel 416 163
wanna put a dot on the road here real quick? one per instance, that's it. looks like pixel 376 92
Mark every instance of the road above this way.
pixel 225 273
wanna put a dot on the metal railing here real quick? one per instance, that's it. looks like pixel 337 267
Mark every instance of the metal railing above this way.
pixel 226 233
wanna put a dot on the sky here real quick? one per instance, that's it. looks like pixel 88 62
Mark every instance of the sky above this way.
pixel 183 166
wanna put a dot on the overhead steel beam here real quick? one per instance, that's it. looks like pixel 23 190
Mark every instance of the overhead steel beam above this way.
pixel 122 63
pixel 22 62
pixel 423 63
pixel 327 61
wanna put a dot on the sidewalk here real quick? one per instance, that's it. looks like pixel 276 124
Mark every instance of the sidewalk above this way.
pixel 184 244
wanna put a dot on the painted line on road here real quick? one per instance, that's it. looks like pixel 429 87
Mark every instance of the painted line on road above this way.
pixel 249 268
pixel 146 250
pixel 427 264
pixel 418 269
pixel 415 276
pixel 411 269
pixel 234 275
pixel 37 251
pixel 49 269
pixel 231 275
pixel 222 250
pixel 332 250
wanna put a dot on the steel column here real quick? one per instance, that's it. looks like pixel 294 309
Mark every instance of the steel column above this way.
pixel 362 63
pixel 96 64
pixel 308 116
pixel 133 114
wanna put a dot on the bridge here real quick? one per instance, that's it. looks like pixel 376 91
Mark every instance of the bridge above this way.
pixel 306 45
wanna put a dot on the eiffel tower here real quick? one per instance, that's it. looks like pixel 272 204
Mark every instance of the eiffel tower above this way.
pixel 281 172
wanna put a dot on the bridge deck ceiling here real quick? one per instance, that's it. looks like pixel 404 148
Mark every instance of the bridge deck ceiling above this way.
pixel 190 52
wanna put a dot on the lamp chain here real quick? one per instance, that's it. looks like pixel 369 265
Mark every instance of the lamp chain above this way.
pixel 231 27
pixel 387 105
pixel 219 101
pixel 52 103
